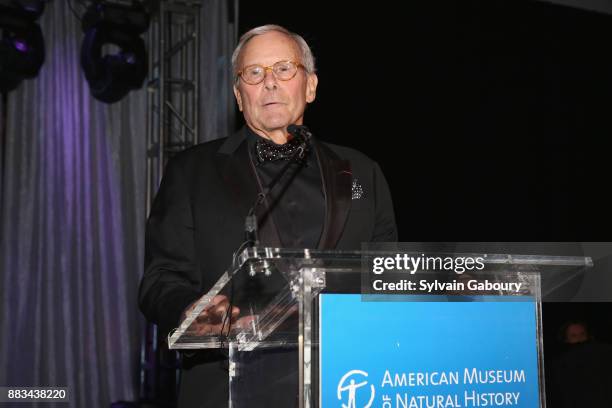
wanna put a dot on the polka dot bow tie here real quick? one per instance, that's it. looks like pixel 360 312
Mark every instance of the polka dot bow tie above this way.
pixel 268 151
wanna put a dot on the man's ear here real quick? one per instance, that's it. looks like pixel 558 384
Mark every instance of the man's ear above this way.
pixel 311 87
pixel 238 97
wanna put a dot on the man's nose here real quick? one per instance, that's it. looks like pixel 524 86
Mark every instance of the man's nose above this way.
pixel 269 79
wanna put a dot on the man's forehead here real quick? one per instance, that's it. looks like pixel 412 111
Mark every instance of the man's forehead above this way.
pixel 269 48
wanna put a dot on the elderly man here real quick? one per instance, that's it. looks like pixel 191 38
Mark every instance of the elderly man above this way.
pixel 335 198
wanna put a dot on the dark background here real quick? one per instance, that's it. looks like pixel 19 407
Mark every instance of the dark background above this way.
pixel 490 118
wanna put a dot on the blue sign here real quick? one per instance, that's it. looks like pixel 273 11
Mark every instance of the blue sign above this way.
pixel 428 354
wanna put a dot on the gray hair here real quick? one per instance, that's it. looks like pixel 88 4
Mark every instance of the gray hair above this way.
pixel 307 59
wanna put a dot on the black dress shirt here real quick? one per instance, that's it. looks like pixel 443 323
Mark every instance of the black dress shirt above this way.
pixel 297 203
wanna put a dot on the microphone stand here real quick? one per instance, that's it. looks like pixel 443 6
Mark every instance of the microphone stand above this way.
pixel 250 224
pixel 251 219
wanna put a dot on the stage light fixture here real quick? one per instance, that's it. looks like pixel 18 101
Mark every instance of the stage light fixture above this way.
pixel 22 47
pixel 111 76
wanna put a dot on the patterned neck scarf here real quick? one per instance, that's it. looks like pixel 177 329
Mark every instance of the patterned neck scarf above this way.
pixel 268 151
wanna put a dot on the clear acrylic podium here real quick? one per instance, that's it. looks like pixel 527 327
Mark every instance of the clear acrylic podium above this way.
pixel 274 342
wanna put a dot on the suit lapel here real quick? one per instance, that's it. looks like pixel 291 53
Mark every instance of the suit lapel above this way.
pixel 238 174
pixel 337 177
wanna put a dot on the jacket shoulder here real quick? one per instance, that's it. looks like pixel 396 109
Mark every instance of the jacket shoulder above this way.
pixel 350 154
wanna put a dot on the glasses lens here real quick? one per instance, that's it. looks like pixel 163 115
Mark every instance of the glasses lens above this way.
pixel 253 74
pixel 284 70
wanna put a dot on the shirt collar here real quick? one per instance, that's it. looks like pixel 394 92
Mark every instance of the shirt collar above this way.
pixel 252 138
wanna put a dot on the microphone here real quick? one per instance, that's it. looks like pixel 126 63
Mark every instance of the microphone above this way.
pixel 300 132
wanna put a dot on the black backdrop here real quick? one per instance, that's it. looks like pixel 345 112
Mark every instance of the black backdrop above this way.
pixel 490 118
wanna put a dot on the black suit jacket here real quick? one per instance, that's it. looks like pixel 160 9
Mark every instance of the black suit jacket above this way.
pixel 197 221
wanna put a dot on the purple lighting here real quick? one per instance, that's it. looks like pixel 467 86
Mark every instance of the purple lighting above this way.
pixel 20 45
pixel 129 57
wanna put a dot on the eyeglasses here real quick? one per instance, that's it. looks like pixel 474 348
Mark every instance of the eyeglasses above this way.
pixel 282 70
